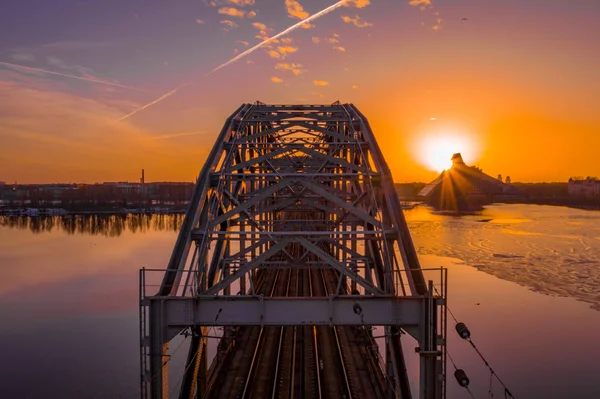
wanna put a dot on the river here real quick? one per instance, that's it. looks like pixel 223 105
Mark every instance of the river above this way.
pixel 525 279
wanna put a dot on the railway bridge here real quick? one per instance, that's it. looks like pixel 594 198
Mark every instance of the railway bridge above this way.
pixel 294 254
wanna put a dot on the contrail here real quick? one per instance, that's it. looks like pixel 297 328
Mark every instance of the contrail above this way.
pixel 245 53
pixel 70 76
pixel 285 32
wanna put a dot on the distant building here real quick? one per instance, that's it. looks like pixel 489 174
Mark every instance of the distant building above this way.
pixel 464 188
pixel 584 188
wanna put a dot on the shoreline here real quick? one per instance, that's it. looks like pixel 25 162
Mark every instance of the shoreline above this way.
pixel 407 204
pixel 37 212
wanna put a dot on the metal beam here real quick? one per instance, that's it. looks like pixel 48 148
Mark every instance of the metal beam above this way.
pixel 238 310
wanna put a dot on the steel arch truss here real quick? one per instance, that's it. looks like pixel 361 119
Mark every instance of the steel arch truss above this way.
pixel 293 186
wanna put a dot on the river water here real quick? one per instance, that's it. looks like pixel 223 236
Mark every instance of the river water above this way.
pixel 525 279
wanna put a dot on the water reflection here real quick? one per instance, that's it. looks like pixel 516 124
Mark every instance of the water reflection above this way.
pixel 104 225
pixel 69 300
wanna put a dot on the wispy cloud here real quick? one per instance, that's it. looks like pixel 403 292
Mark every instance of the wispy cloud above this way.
pixel 232 12
pixel 241 3
pixel 416 3
pixel 23 57
pixel 354 86
pixel 358 3
pixel 265 42
pixel 243 43
pixel 199 21
pixel 285 50
pixel 274 54
pixel 295 9
pixel 91 80
pixel 320 83
pixel 229 23
pixel 339 48
pixel 293 67
pixel 316 40
pixel 90 146
pixel 259 25
pixel 251 14
pixel 356 21
pixel 275 79
pixel 175 135
pixel 74 45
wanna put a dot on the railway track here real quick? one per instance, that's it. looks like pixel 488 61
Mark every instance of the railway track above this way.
pixel 298 362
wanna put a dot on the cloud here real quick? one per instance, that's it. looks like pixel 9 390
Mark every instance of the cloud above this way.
pixel 438 24
pixel 274 54
pixel 359 3
pixel 251 14
pixel 243 43
pixel 232 12
pixel 248 62
pixel 74 45
pixel 307 26
pixel 332 40
pixel 57 62
pixel 339 48
pixel 238 57
pixel 176 135
pixel 259 26
pixel 316 40
pixel 287 40
pixel 354 86
pixel 199 21
pixel 295 9
pixel 23 57
pixel 48 135
pixel 320 83
pixel 356 21
pixel 87 79
pixel 275 79
pixel 241 3
pixel 416 3
pixel 293 67
pixel 229 23
pixel 285 50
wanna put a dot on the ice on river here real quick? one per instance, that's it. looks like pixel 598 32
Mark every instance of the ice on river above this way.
pixel 553 250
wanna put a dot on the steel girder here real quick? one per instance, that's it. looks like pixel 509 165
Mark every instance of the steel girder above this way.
pixel 293 186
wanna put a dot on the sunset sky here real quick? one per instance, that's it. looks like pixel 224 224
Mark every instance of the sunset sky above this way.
pixel 512 84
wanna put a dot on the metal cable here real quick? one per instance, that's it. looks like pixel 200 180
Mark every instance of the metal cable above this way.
pixel 507 393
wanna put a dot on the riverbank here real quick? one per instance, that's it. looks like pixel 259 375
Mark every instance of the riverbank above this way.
pixel 34 212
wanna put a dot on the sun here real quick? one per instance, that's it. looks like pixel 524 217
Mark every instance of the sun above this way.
pixel 435 150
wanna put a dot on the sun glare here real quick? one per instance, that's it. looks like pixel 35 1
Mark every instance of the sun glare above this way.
pixel 435 150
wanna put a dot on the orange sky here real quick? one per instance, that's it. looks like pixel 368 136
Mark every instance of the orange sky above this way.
pixel 517 80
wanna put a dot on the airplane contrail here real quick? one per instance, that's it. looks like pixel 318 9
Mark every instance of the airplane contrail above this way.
pixel 245 53
pixel 282 33
pixel 70 76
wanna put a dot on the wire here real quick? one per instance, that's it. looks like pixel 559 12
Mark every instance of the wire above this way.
pixel 492 372
pixel 456 368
